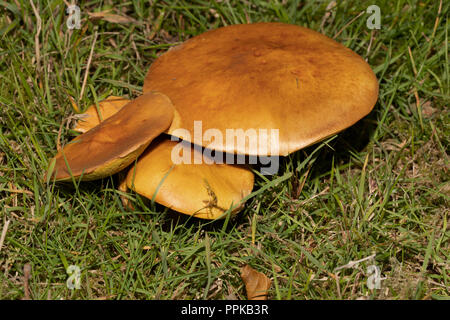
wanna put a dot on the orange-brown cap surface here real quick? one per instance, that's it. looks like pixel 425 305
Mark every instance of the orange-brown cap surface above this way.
pixel 265 76
pixel 116 142
pixel 203 190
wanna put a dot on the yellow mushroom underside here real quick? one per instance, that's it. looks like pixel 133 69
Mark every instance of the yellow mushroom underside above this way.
pixel 203 190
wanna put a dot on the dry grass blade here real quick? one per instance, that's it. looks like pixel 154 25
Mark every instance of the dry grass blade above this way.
pixel 326 16
pixel 349 23
pixel 26 277
pixel 88 65
pixel 256 283
pixel 36 37
pixel 110 17
pixel 4 230
pixel 351 264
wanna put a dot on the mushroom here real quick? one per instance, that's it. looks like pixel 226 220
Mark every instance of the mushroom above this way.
pixel 270 76
pixel 202 190
pixel 251 78
pixel 116 142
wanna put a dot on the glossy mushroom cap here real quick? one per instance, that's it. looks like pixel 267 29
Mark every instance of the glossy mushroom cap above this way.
pixel 116 142
pixel 205 191
pixel 264 76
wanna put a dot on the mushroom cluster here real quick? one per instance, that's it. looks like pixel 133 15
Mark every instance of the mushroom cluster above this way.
pixel 249 78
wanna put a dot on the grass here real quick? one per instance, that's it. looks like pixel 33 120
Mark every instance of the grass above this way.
pixel 379 188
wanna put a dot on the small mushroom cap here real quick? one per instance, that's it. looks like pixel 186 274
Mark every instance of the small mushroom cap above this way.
pixel 116 142
pixel 205 191
pixel 91 117
pixel 265 76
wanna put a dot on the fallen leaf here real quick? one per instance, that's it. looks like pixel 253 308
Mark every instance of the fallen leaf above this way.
pixel 256 283
pixel 428 110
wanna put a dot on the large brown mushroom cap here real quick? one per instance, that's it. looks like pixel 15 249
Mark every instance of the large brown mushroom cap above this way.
pixel 203 190
pixel 116 142
pixel 265 76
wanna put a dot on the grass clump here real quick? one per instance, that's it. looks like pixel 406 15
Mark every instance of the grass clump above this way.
pixel 380 189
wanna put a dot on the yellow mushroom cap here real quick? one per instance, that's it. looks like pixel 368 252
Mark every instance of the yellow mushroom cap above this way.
pixel 264 76
pixel 116 142
pixel 203 190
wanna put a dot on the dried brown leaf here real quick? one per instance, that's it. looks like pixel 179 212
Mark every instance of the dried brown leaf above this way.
pixel 427 110
pixel 256 283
